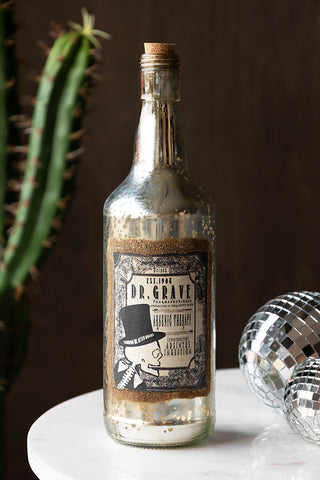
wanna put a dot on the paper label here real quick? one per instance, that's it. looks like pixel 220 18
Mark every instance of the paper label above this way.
pixel 159 314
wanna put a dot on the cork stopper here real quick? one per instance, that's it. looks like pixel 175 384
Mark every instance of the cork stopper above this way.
pixel 165 49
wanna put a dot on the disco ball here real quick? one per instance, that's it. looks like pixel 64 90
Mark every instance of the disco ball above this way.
pixel 281 334
pixel 302 400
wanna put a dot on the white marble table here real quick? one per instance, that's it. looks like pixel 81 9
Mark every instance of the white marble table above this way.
pixel 251 442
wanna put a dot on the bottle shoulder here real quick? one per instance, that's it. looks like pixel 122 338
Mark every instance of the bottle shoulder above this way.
pixel 163 192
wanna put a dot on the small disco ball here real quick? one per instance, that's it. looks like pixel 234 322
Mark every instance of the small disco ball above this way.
pixel 281 334
pixel 302 400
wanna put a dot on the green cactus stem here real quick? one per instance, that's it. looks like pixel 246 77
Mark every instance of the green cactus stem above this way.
pixel 8 108
pixel 14 328
pixel 13 315
pixel 4 122
pixel 52 135
pixel 57 166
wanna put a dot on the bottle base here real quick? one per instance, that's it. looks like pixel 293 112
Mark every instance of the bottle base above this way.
pixel 159 436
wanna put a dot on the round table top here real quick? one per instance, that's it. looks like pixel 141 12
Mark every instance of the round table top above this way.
pixel 250 441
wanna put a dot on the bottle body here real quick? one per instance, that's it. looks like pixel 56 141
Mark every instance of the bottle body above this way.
pixel 159 305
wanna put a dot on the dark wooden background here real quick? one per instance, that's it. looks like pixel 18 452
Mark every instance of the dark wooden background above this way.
pixel 251 103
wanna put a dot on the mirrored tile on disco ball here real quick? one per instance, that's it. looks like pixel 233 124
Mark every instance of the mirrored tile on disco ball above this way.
pixel 316 328
pixel 281 334
pixel 301 401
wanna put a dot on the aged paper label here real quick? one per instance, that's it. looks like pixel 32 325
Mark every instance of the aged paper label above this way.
pixel 159 318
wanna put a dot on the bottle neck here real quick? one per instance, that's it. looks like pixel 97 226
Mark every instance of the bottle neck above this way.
pixel 159 138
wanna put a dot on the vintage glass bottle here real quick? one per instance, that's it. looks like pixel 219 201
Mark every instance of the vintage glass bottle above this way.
pixel 159 281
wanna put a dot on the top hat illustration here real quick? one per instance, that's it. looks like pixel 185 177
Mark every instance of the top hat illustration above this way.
pixel 137 326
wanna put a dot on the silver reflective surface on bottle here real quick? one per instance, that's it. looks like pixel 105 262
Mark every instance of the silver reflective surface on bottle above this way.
pixel 159 200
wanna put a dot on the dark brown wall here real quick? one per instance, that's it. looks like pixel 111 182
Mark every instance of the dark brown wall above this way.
pixel 251 103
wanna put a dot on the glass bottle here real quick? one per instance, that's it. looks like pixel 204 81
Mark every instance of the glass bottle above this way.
pixel 159 282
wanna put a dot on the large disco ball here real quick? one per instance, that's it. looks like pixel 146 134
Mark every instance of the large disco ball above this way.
pixel 302 400
pixel 281 334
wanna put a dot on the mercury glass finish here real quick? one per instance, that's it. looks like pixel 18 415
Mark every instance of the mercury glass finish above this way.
pixel 302 400
pixel 281 334
pixel 158 200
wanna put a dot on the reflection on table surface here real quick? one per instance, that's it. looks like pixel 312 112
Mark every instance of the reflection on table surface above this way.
pixel 251 442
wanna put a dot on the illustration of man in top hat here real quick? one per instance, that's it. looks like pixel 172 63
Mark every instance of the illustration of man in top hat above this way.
pixel 142 351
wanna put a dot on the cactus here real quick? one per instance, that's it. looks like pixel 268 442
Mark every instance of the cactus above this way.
pixel 32 204
pixel 48 169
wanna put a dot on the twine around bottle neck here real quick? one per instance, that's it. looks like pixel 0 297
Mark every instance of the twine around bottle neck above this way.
pixel 160 78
